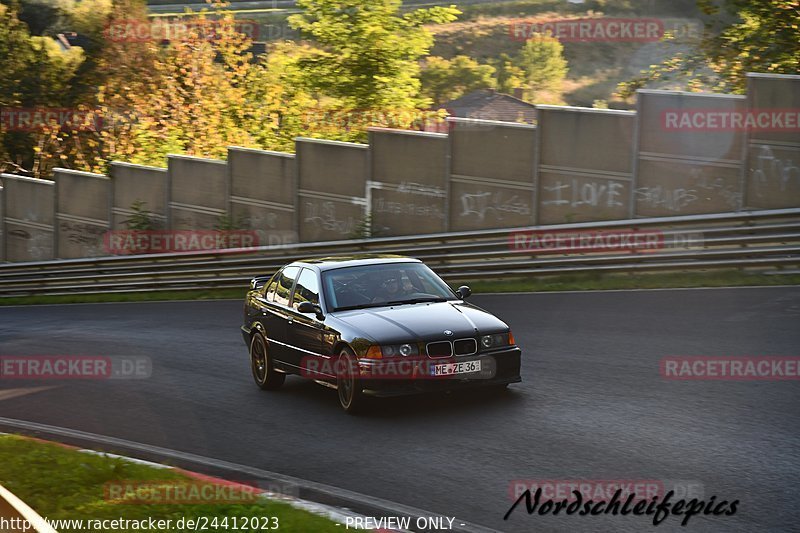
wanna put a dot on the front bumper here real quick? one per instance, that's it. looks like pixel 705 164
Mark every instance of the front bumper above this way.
pixel 503 368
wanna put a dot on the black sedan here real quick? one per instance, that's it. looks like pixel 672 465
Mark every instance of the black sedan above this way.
pixel 376 325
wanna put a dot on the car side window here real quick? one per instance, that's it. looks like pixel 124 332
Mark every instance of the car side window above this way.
pixel 283 288
pixel 307 288
pixel 269 293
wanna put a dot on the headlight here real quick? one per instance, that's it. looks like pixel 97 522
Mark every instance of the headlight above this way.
pixel 392 350
pixel 403 350
pixel 497 340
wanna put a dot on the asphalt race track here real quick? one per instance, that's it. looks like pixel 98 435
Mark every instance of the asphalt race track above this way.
pixel 592 406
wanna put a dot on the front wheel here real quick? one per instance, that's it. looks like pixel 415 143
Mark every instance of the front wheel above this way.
pixel 348 383
pixel 264 373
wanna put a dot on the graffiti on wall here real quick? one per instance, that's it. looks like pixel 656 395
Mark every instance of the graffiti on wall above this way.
pixel 499 204
pixel 711 186
pixel 673 199
pixel 577 193
pixel 82 234
pixel 38 245
pixel 771 173
pixel 322 215
pixel 701 187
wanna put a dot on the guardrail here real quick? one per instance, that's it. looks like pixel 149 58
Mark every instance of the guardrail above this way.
pixel 754 239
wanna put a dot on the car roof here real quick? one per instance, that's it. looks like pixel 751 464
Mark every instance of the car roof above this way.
pixel 343 261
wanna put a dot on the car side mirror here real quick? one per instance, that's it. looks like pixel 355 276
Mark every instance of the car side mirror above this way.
pixel 308 307
pixel 258 282
pixel 463 292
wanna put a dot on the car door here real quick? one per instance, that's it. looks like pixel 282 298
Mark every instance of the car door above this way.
pixel 306 330
pixel 274 308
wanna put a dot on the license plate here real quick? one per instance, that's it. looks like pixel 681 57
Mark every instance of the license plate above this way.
pixel 450 369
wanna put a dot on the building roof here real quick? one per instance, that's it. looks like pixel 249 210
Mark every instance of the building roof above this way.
pixel 488 104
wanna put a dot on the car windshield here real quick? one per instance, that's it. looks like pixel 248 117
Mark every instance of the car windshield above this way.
pixel 383 284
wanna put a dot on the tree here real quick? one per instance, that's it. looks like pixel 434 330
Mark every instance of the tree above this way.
pixel 34 72
pixel 741 36
pixel 545 68
pixel 40 16
pixel 509 76
pixel 445 79
pixel 199 94
pixel 368 55
pixel 17 54
pixel 89 19
pixel 284 102
pixel 192 99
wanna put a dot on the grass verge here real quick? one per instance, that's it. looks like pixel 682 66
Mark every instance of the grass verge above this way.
pixel 65 484
pixel 672 280
pixel 210 294
pixel 577 282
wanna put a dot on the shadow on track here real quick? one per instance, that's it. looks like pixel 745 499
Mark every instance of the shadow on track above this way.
pixel 304 395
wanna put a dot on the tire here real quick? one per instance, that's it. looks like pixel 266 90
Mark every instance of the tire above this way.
pixel 348 386
pixel 264 374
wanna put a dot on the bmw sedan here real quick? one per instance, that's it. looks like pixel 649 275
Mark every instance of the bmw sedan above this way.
pixel 373 326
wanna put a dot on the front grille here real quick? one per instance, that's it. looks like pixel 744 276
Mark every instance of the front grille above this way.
pixel 440 349
pixel 465 346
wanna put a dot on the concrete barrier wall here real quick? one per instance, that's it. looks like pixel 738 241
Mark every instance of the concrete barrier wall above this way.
pixel 682 167
pixel 772 172
pixel 263 196
pixel 29 216
pixel 198 192
pixel 408 187
pixel 492 166
pixel 137 183
pixel 83 213
pixel 585 164
pixel 576 165
pixel 332 181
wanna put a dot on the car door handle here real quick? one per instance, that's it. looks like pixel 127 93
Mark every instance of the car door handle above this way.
pixel 290 321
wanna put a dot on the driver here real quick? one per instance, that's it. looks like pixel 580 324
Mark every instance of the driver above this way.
pixel 393 287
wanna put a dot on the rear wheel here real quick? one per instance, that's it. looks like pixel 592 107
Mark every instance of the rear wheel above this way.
pixel 264 373
pixel 348 384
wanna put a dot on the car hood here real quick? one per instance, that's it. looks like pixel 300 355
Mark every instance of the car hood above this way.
pixel 423 321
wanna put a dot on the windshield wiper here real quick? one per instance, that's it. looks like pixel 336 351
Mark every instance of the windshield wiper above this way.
pixel 360 306
pixel 417 301
pixel 386 304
